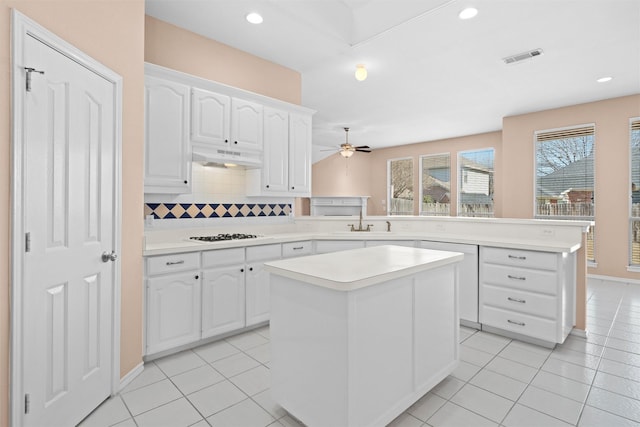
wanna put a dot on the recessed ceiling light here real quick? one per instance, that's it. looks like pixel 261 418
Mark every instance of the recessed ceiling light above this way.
pixel 468 13
pixel 254 18
pixel 604 79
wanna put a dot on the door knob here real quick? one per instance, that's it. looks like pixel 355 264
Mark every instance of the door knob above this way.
pixel 106 256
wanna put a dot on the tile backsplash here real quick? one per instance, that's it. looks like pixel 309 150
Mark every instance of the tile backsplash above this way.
pixel 215 193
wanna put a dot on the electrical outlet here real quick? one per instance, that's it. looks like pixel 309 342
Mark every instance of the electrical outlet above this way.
pixel 546 232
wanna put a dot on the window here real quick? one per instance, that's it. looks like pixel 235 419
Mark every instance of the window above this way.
pixel 475 183
pixel 435 184
pixel 565 176
pixel 634 218
pixel 400 178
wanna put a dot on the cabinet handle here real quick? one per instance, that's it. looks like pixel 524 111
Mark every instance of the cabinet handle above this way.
pixel 186 182
pixel 175 262
pixel 515 322
pixel 197 277
pixel 516 277
pixel 267 185
pixel 235 142
pixel 298 248
pixel 226 141
pixel 250 268
pixel 522 258
pixel 522 301
pixel 242 270
pixel 293 188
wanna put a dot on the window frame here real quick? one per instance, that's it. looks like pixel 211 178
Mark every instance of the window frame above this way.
pixel 631 266
pixel 421 181
pixel 590 262
pixel 459 182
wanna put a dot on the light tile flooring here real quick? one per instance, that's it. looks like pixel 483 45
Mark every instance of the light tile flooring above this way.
pixel 500 382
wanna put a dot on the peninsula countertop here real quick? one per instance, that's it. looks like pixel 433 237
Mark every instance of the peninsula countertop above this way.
pixel 359 268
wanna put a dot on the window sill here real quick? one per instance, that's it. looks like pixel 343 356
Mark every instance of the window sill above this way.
pixel 593 264
pixel 633 268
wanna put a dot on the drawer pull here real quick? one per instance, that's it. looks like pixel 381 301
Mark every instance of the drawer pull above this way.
pixel 516 277
pixel 517 257
pixel 515 322
pixel 298 248
pixel 175 262
pixel 516 300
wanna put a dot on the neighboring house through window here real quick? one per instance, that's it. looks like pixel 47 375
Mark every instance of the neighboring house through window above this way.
pixel 435 184
pixel 475 183
pixel 565 176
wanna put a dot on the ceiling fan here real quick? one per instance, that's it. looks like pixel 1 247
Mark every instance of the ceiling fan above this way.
pixel 347 150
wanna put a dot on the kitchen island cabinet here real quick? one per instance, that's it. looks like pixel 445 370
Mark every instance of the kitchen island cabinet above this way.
pixel 360 335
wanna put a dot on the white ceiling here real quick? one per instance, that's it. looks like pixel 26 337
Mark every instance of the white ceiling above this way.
pixel 431 75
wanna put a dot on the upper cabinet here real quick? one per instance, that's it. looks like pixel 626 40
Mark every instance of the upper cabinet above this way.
pixel 187 115
pixel 286 169
pixel 222 121
pixel 167 159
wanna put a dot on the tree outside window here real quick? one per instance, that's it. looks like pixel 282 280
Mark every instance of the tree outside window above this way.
pixel 401 187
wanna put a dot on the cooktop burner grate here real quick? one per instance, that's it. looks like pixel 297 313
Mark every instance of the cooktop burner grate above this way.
pixel 225 236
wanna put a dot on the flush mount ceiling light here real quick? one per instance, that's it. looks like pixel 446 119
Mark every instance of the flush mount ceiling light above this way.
pixel 254 18
pixel 604 79
pixel 468 13
pixel 361 72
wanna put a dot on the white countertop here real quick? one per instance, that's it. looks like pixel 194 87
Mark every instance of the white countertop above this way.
pixel 358 268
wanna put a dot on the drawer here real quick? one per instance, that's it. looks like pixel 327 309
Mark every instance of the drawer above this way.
pixel 524 324
pixel 294 249
pixel 519 278
pixel 520 258
pixel 263 252
pixel 222 257
pixel 371 243
pixel 169 263
pixel 519 301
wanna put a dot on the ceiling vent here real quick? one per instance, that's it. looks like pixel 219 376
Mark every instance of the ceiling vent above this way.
pixel 522 56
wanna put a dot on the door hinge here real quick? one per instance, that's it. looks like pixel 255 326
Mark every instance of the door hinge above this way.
pixel 27 242
pixel 27 402
pixel 30 70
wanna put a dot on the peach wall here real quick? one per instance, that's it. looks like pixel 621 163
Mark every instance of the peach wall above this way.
pixel 337 176
pixel 113 33
pixel 611 118
pixel 182 50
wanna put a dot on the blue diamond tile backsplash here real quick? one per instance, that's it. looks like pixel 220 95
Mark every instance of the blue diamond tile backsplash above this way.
pixel 215 210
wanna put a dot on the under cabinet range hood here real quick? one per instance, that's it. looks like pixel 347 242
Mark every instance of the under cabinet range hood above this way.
pixel 221 157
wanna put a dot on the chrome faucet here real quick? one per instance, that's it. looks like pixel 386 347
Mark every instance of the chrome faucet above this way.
pixel 360 225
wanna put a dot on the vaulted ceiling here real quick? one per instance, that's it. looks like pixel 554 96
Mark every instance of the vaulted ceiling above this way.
pixel 431 75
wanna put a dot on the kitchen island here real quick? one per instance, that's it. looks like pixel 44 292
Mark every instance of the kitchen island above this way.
pixel 358 336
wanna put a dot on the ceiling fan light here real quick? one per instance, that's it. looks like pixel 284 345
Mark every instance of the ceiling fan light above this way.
pixel 361 73
pixel 346 153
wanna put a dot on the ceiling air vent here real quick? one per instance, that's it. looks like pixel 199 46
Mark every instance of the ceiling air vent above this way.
pixel 522 56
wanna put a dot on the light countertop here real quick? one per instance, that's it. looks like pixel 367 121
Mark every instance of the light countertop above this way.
pixel 358 268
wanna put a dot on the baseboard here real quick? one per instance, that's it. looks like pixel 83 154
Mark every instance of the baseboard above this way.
pixel 582 333
pixel 613 279
pixel 130 376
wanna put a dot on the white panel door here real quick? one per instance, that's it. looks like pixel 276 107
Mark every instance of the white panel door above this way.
pixel 69 174
pixel 257 293
pixel 276 150
pixel 300 154
pixel 246 125
pixel 210 117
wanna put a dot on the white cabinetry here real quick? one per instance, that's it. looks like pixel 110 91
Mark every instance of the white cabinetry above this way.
pixel 286 167
pixel 325 246
pixel 257 282
pixel 172 301
pixel 210 117
pixel 528 293
pixel 167 165
pixel 407 243
pixel 223 292
pixel 468 278
pixel 246 125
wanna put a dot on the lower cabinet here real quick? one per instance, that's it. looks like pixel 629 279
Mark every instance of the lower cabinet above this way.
pixel 257 282
pixel 528 293
pixel 173 311
pixel 222 300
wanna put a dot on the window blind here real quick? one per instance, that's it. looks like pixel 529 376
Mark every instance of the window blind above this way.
pixel 567 133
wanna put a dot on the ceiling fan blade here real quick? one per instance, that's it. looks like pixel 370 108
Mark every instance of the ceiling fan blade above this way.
pixel 363 146
pixel 363 151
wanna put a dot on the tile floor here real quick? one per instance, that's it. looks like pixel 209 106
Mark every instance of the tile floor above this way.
pixel 500 382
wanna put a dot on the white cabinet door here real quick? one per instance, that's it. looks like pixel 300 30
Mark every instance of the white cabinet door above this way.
pixel 167 166
pixel 276 151
pixel 257 293
pixel 210 117
pixel 300 154
pixel 468 276
pixel 246 125
pixel 222 300
pixel 173 311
